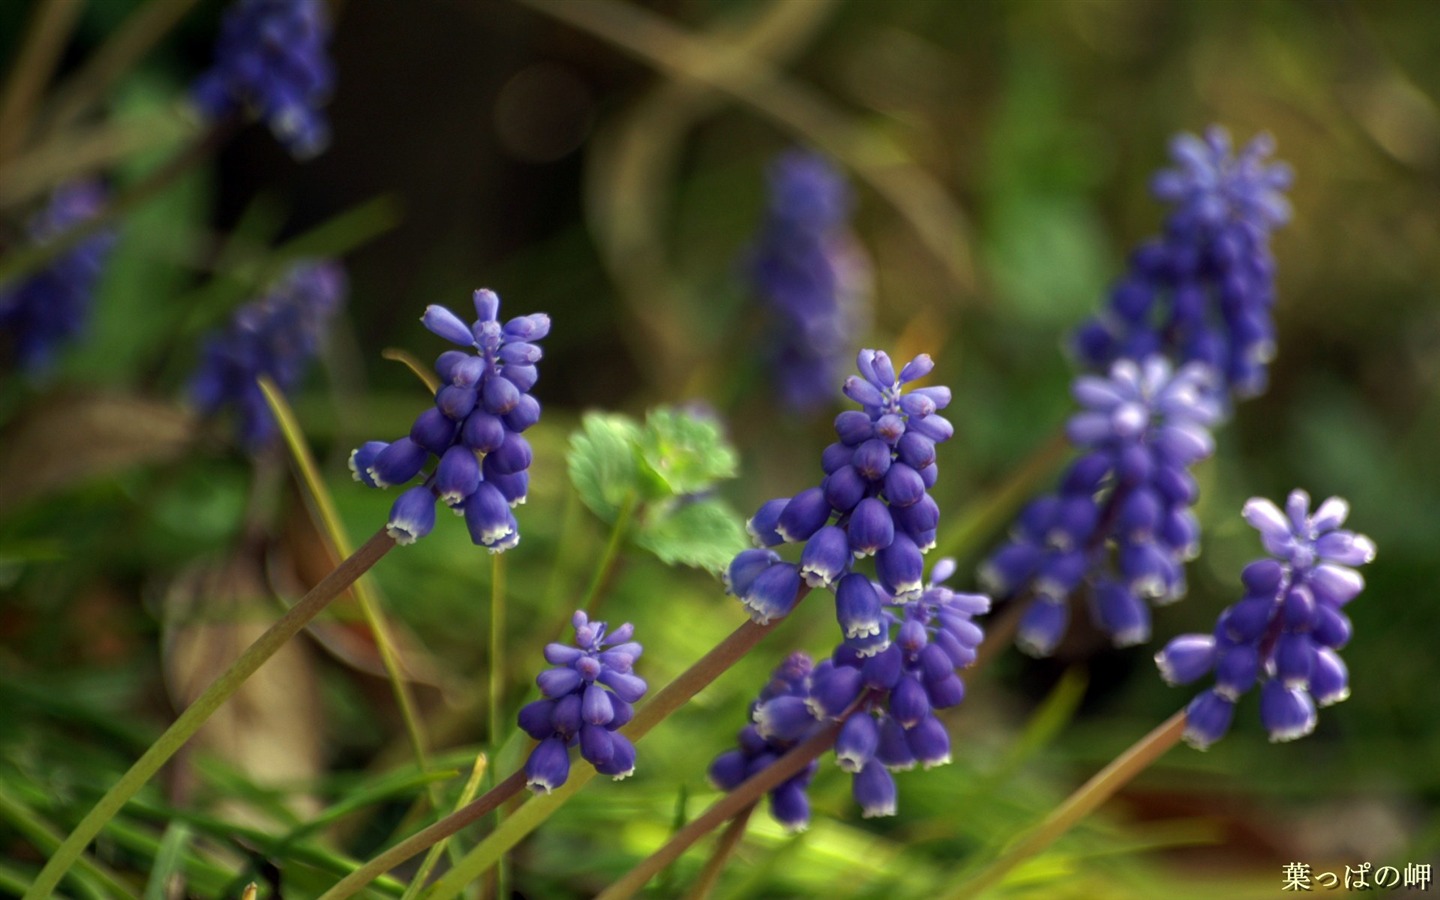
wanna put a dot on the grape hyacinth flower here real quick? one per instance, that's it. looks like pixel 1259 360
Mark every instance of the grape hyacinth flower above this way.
pixel 473 430
pixel 780 719
pixel 1121 520
pixel 894 691
pixel 1203 291
pixel 276 335
pixel 271 62
pixel 52 305
pixel 873 501
pixel 1285 632
pixel 812 274
pixel 588 696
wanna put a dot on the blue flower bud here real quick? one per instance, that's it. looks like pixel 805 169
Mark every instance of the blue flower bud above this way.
pixel 398 463
pixel 871 529
pixel 901 568
pixel 513 455
pixel 1294 659
pixel 908 701
pixel 1207 719
pixel 929 742
pixel 457 476
pixel 1186 658
pixel 761 526
pixel 844 488
pixel 597 746
pixel 903 485
pixel 856 743
pixel 456 402
pixel 499 393
pixel 773 593
pixel 893 750
pixel 854 427
pixel 826 557
pixel 1329 679
pixel 882 670
pixel 362 458
pixel 548 766
pixel 433 430
pixel 412 516
pixel 790 806
pixel 746 567
pixel 804 515
pixel 525 414
pixel 857 606
pixel 514 488
pixel 784 718
pixel 1236 670
pixel 444 323
pixel 488 517
pixel 483 432
pixel 535 719
pixel 1121 614
pixel 1287 713
pixel 1042 627
pixel 872 459
pixel 874 790
pixel 834 456
pixel 727 772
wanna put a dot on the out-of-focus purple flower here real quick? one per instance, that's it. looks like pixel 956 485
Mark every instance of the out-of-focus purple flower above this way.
pixel 276 335
pixel 473 429
pixel 780 719
pixel 812 275
pixel 1121 521
pixel 873 501
pixel 52 305
pixel 1285 632
pixel 271 63
pixel 588 696
pixel 894 680
pixel 1202 291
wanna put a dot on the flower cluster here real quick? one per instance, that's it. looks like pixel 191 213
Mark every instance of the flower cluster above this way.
pixel 271 62
pixel 873 500
pixel 473 430
pixel 783 708
pixel 1121 519
pixel 588 696
pixel 895 685
pixel 1285 631
pixel 276 336
pixel 811 273
pixel 1203 291
pixel 885 688
pixel 53 304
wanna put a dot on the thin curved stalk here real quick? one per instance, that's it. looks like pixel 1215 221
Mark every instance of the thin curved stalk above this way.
pixel 49 29
pixel 744 796
pixel 1077 806
pixel 720 856
pixel 198 712
pixel 606 567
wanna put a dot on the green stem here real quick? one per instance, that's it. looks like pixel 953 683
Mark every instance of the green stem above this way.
pixel 333 528
pixel 1077 806
pixel 618 531
pixel 198 712
pixel 724 849
pixel 497 690
pixel 732 804
pixel 44 836
pixel 529 816
pixel 479 771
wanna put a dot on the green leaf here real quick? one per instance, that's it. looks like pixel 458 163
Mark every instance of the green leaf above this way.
pixel 682 454
pixel 602 462
pixel 705 534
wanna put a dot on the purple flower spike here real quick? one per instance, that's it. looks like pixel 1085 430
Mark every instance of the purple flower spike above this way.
pixel 789 685
pixel 271 63
pixel 588 697
pixel 1202 291
pixel 276 335
pixel 473 429
pixel 812 276
pixel 52 305
pixel 1285 631
pixel 1121 522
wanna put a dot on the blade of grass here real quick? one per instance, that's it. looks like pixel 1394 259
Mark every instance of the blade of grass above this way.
pixel 168 862
pixel 198 712
pixel 334 531
pixel 433 856
pixel 90 876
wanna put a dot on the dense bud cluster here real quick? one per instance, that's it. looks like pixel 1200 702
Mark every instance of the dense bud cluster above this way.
pixel 473 430
pixel 276 336
pixel 1121 520
pixel 52 305
pixel 588 696
pixel 271 63
pixel 1285 631
pixel 812 274
pixel 873 501
pixel 1203 291
pixel 782 704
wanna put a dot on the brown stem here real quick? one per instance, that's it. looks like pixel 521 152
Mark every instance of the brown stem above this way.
pixel 724 848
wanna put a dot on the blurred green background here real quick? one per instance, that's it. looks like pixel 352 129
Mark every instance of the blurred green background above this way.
pixel 604 163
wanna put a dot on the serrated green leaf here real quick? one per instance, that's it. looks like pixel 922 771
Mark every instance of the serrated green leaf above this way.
pixel 682 454
pixel 705 534
pixel 602 462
